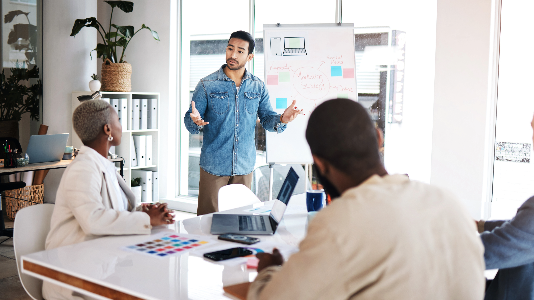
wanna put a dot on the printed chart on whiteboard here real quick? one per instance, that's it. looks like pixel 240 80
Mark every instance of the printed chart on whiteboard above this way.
pixel 309 64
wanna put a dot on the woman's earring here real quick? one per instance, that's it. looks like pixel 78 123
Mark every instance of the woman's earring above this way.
pixel 110 138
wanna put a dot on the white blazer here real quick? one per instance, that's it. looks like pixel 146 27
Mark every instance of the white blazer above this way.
pixel 86 202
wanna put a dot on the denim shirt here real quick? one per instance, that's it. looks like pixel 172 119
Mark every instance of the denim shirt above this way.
pixel 228 147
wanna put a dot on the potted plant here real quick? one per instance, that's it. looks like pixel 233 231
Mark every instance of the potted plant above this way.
pixel 116 72
pixel 136 189
pixel 18 96
pixel 94 85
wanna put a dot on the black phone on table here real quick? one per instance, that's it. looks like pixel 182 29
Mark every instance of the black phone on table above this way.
pixel 238 238
pixel 228 253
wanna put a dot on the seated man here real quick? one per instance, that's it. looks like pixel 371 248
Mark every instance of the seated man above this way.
pixel 509 247
pixel 383 236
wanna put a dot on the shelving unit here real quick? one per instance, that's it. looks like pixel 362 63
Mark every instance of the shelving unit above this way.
pixel 124 150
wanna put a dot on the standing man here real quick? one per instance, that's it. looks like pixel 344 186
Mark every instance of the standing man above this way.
pixel 227 104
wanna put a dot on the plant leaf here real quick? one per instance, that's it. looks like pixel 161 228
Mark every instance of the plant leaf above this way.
pixel 81 23
pixel 122 42
pixel 125 6
pixel 111 35
pixel 12 14
pixel 126 31
pixel 154 33
pixel 103 51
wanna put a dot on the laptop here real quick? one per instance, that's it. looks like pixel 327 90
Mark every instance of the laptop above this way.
pixel 258 224
pixel 44 148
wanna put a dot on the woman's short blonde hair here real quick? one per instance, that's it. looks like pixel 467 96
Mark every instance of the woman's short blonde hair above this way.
pixel 89 119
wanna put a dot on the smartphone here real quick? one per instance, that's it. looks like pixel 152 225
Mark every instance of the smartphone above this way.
pixel 228 253
pixel 243 239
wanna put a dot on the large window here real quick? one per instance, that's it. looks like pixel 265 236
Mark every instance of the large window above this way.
pixel 394 49
pixel 513 166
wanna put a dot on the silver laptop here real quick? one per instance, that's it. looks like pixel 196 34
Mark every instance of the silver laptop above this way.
pixel 258 224
pixel 44 148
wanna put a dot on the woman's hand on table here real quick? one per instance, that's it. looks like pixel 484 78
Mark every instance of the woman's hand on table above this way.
pixel 268 259
pixel 159 214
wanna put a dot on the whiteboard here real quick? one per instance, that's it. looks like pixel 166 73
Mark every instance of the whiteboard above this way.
pixel 310 64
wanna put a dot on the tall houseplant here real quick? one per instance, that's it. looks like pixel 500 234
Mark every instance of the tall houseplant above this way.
pixel 116 72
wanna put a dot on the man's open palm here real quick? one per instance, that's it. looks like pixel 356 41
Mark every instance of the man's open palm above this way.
pixel 195 115
pixel 291 112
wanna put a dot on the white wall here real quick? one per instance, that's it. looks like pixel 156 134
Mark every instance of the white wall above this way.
pixel 151 72
pixel 463 105
pixel 67 67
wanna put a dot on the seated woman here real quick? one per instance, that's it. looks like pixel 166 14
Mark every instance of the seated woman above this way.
pixel 92 199
pixel 509 247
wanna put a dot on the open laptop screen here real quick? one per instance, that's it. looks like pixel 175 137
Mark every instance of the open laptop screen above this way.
pixel 280 204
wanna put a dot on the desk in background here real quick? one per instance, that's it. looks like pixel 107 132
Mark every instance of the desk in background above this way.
pixel 101 267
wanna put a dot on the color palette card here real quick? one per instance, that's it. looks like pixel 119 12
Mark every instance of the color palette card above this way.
pixel 169 244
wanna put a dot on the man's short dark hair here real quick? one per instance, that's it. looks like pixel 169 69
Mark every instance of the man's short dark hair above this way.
pixel 342 132
pixel 245 36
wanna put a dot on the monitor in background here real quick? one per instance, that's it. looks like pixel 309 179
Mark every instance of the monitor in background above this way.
pixel 45 148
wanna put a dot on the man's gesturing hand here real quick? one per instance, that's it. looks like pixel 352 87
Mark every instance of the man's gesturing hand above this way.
pixel 290 113
pixel 195 116
pixel 267 259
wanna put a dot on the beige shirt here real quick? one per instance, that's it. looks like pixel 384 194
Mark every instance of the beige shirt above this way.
pixel 388 238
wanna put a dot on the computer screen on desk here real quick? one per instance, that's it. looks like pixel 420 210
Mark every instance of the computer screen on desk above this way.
pixel 44 148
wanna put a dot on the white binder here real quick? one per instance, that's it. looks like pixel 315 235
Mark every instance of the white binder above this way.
pixel 146 184
pixel 135 113
pixel 123 113
pixel 144 117
pixel 115 104
pixel 133 153
pixel 148 151
pixel 140 148
pixel 152 113
pixel 106 99
pixel 155 187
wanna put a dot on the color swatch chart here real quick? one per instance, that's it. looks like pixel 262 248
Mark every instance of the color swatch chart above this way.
pixel 169 244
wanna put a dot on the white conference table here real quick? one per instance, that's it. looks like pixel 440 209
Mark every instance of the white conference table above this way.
pixel 101 268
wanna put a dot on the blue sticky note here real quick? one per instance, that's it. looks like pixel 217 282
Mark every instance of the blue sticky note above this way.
pixel 336 71
pixel 281 103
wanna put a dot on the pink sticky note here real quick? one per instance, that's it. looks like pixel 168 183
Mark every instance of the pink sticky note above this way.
pixel 252 263
pixel 348 73
pixel 272 79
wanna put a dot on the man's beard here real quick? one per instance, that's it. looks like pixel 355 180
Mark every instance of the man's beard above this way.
pixel 329 188
pixel 235 68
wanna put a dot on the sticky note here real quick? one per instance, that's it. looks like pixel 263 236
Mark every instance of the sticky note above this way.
pixel 283 76
pixel 272 79
pixel 343 96
pixel 348 73
pixel 281 103
pixel 336 71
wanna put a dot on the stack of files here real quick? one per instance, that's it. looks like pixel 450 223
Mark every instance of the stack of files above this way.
pixel 136 110
pixel 143 149
pixel 143 117
pixel 152 114
pixel 133 153
pixel 155 187
pixel 123 112
pixel 146 184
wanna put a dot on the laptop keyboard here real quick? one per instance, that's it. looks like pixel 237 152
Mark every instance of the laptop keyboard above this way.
pixel 248 223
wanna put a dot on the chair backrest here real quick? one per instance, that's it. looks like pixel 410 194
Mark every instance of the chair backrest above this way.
pixel 260 180
pixel 235 195
pixel 32 225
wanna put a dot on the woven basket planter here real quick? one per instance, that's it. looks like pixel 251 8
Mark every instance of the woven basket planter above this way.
pixel 116 77
pixel 21 198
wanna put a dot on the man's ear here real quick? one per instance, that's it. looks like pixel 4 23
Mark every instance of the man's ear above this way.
pixel 321 164
pixel 379 137
pixel 250 57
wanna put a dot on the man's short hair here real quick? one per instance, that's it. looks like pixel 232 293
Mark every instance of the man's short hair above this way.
pixel 342 132
pixel 89 119
pixel 245 36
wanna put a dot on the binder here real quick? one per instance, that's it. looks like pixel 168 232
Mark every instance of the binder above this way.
pixel 115 104
pixel 130 112
pixel 123 113
pixel 143 116
pixel 106 99
pixel 135 114
pixel 155 187
pixel 133 153
pixel 146 184
pixel 148 151
pixel 152 113
pixel 140 148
